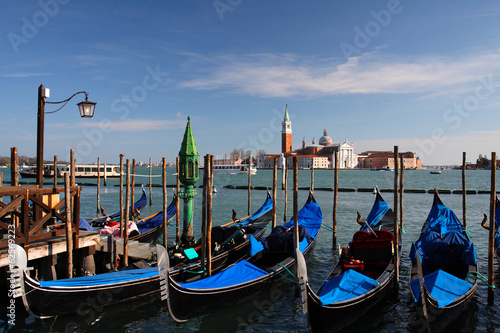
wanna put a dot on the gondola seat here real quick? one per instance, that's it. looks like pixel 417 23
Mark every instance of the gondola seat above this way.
pixel 371 248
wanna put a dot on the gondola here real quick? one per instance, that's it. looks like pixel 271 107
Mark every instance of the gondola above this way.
pixel 150 228
pixel 363 276
pixel 101 221
pixel 272 260
pixel 442 259
pixel 230 243
pixel 44 299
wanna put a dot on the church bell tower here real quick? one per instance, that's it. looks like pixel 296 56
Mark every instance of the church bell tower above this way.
pixel 286 133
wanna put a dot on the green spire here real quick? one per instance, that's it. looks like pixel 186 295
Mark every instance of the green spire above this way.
pixel 287 117
pixel 188 146
pixel 188 157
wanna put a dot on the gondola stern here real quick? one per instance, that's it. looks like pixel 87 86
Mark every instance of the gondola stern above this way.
pixel 17 273
pixel 163 269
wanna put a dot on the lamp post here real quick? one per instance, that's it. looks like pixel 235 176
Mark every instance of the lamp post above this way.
pixel 189 175
pixel 86 111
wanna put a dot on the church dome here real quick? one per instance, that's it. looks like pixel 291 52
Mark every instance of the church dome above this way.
pixel 325 140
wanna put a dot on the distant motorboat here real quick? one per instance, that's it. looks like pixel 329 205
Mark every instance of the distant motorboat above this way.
pixel 214 189
pixel 437 172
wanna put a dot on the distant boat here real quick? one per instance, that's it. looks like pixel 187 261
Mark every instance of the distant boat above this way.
pixel 81 171
pixel 214 189
pixel 438 172
pixel 234 169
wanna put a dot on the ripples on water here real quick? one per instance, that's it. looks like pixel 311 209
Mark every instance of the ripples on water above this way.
pixel 278 310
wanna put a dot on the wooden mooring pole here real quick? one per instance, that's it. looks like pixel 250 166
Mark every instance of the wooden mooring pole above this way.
pixel 401 191
pixel 249 182
pixel 164 189
pixel 177 205
pixel 72 166
pixel 296 215
pixel 491 240
pixel 464 192
pixel 275 176
pixel 14 177
pixel 396 206
pixel 204 199
pixel 285 187
pixel 69 231
pixel 312 178
pixel 132 191
pixel 98 186
pixel 209 214
pixel 150 185
pixel 55 170
pixel 335 196
pixel 121 195
pixel 127 216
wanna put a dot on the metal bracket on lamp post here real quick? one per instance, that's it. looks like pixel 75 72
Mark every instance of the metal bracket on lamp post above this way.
pixel 86 111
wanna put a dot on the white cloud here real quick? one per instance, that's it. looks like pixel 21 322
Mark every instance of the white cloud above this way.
pixel 129 125
pixel 268 75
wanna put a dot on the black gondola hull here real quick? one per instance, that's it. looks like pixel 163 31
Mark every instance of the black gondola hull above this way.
pixel 333 317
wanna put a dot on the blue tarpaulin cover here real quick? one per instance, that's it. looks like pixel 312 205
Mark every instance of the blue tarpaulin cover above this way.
pixel 241 272
pixel 310 217
pixel 255 246
pixel 348 285
pixel 442 220
pixel 85 225
pixel 442 286
pixel 264 209
pixel 379 209
pixel 156 220
pixel 106 278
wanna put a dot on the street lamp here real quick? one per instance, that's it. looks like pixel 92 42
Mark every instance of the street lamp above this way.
pixel 86 111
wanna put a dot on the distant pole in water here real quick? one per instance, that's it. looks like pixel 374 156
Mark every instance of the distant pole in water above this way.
pixel 491 242
pixel 72 173
pixel 98 186
pixel 275 175
pixel 105 175
pixel 285 172
pixel 283 175
pixel 121 195
pixel 150 185
pixel 164 190
pixel 401 186
pixel 464 193
pixel 396 206
pixel 335 197
pixel 55 173
pixel 177 204
pixel 312 178
pixel 127 217
pixel 132 196
pixel 249 182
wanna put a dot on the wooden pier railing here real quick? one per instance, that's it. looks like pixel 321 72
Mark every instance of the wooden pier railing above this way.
pixel 34 212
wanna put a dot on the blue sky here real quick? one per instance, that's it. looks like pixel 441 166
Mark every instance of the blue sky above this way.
pixel 418 74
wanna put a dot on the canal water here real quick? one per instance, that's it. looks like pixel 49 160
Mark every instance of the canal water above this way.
pixel 279 310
